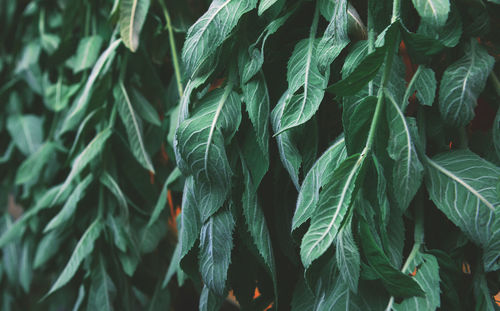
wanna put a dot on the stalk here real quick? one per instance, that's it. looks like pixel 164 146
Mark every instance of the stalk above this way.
pixel 173 49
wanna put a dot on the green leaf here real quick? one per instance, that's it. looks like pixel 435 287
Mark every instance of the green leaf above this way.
pixel 424 82
pixel 69 208
pixel 85 157
pixel 209 301
pixel 26 132
pixel 335 38
pixel 216 243
pixel 190 222
pixel 427 276
pixel 201 147
pixel 462 185
pixel 289 153
pixel 87 53
pixel 48 246
pixel 462 83
pixel 264 5
pixel 496 133
pixel 132 17
pixel 82 250
pixel 482 296
pixel 334 203
pixel 102 290
pixel 133 125
pixel 144 108
pixel 77 111
pixel 407 172
pixel 31 168
pixel 434 12
pixel 58 95
pixel 210 31
pixel 397 283
pixel 357 122
pixel 316 179
pixel 347 255
pixel 162 200
pixel 107 180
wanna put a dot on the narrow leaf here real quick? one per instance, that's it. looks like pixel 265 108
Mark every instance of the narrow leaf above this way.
pixel 26 132
pixel 31 168
pixel 87 53
pixel 132 17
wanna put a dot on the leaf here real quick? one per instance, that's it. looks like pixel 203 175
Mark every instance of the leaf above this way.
pixel 162 200
pixel 209 301
pixel 144 108
pixel 132 17
pixel 133 125
pixel 462 185
pixel 79 107
pixel 84 158
pixel 58 95
pixel 289 153
pixel 257 226
pixel 424 82
pixel 87 53
pixel 48 246
pixel 210 31
pixel 316 179
pixel 102 290
pixel 396 282
pixel 462 83
pixel 215 250
pixel 264 5
pixel 82 250
pixel 407 172
pixel 334 203
pixel 69 208
pixel 427 276
pixel 109 182
pixel 357 123
pixel 348 258
pixel 26 132
pixel 201 147
pixel 32 167
pixel 496 133
pixel 434 12
pixel 190 222
pixel 335 38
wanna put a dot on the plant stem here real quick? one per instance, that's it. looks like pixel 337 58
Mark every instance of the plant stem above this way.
pixel 173 49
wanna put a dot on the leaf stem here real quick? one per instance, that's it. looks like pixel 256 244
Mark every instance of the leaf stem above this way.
pixel 173 49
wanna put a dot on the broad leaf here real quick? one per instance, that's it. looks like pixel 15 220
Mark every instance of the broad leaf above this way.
pixel 132 17
pixel 216 243
pixel 315 180
pixel 133 125
pixel 26 132
pixel 462 185
pixel 424 83
pixel 462 83
pixel 434 12
pixel 210 31
pixel 87 53
pixel 334 203
pixel 82 250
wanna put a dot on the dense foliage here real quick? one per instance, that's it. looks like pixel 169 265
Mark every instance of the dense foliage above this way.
pixel 303 155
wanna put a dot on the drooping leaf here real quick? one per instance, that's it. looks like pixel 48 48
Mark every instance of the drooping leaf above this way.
pixel 357 121
pixel 209 301
pixel 144 108
pixel 82 250
pixel 47 248
pixel 102 291
pixel 132 17
pixel 434 12
pixel 210 31
pixel 462 83
pixel 424 83
pixel 348 258
pixel 26 132
pixel 407 173
pixel 85 157
pixel 496 133
pixel 162 200
pixel 87 53
pixel 333 206
pixel 58 95
pixel 190 223
pixel 216 243
pixel 264 5
pixel 462 185
pixel 397 283
pixel 31 168
pixel 133 125
pixel 335 38
pixel 107 180
pixel 315 180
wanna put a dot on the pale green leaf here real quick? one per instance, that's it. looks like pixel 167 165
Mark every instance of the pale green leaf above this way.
pixel 209 301
pixel 316 178
pixel 347 255
pixel 26 132
pixel 58 95
pixel 31 168
pixel 102 290
pixel 210 31
pixel 264 5
pixel 48 246
pixel 82 250
pixel 87 53
pixel 133 125
pixel 132 17
pixel 434 12
pixel 69 208
pixel 216 243
pixel 463 187
pixel 462 83
pixel 334 203
pixel 85 157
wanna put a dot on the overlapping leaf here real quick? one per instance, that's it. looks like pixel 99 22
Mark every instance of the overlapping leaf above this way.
pixel 132 17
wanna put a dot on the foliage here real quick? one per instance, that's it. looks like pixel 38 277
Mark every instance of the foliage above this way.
pixel 325 155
